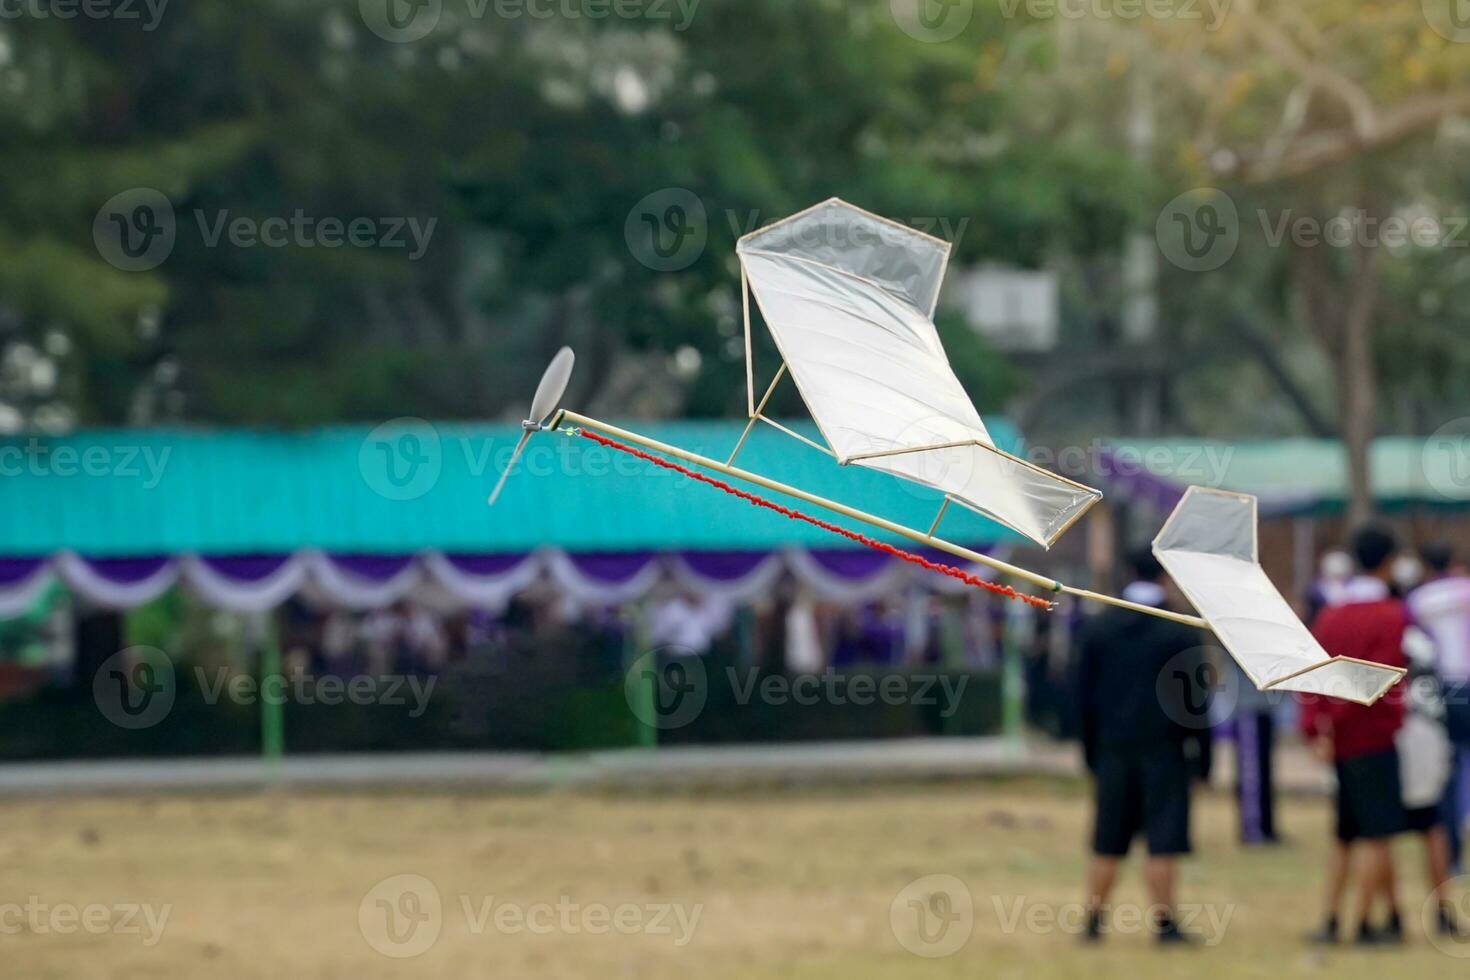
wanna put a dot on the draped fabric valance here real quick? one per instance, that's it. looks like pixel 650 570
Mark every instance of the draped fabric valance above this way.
pixel 254 583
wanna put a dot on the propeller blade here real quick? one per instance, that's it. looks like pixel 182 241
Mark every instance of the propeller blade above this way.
pixel 548 395
pixel 509 466
pixel 553 385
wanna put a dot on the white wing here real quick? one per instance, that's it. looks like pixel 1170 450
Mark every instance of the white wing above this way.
pixel 1208 546
pixel 849 298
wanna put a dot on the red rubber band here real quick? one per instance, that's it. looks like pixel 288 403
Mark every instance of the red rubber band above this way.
pixel 887 549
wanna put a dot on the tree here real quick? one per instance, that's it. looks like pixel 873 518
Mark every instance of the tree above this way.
pixel 528 142
pixel 1339 110
pixel 759 109
pixel 229 112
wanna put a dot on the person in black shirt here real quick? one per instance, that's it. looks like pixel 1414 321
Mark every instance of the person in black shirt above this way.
pixel 1143 687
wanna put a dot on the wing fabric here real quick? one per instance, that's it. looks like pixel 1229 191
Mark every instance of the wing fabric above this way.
pixel 1208 546
pixel 848 298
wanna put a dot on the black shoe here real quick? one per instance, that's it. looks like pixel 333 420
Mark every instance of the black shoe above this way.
pixel 1167 933
pixel 1093 934
pixel 1326 934
pixel 1447 926
pixel 1387 936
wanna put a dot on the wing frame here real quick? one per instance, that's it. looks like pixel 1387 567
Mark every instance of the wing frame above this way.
pixel 1046 537
pixel 1297 677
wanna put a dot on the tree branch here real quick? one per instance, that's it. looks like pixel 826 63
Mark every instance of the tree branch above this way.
pixel 1325 149
pixel 1279 44
pixel 1265 352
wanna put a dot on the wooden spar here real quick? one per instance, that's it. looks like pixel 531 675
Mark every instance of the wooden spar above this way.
pixel 756 414
pixel 872 520
pixel 1110 600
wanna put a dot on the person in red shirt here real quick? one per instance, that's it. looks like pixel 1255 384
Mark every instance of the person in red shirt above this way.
pixel 1368 623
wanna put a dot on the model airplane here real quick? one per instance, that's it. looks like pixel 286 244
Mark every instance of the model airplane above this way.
pixel 849 299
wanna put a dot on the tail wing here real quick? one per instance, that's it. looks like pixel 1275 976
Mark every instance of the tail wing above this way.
pixel 1208 546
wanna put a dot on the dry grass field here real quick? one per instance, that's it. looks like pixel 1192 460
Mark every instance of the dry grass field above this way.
pixel 792 884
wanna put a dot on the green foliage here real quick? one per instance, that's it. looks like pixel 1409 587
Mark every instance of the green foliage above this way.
pixel 527 141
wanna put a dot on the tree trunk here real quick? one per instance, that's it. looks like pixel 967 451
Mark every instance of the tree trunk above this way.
pixel 1341 316
pixel 1357 381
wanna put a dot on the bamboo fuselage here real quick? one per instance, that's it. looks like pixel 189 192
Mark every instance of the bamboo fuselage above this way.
pixel 872 520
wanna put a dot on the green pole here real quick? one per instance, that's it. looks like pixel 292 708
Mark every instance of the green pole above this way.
pixel 745 634
pixel 272 706
pixel 644 688
pixel 952 652
pixel 1013 683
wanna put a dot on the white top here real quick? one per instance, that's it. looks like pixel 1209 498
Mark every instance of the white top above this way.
pixel 1442 609
pixel 687 627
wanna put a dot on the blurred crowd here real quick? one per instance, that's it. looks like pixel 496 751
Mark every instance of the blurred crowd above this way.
pixel 1400 766
pixel 790 630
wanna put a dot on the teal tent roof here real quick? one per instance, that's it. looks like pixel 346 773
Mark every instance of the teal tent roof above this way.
pixel 1302 476
pixel 409 485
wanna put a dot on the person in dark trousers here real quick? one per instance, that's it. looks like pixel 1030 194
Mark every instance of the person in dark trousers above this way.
pixel 1368 623
pixel 1253 725
pixel 1143 702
